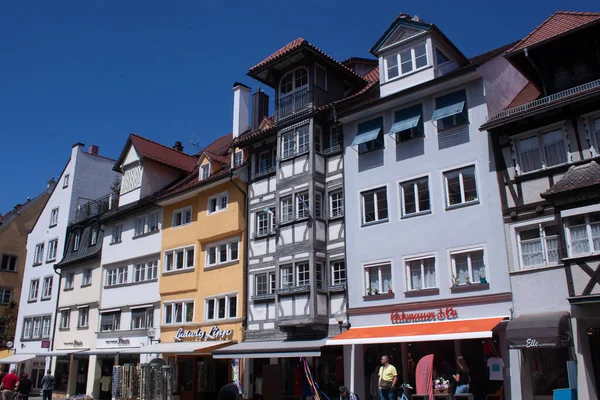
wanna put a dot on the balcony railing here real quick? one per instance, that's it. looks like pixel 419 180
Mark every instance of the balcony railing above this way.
pixel 547 100
pixel 264 171
pixel 96 207
pixel 293 104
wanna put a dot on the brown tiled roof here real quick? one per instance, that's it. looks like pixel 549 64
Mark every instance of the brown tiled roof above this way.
pixel 220 145
pixel 151 150
pixel 223 160
pixel 528 94
pixel 557 24
pixel 586 176
pixel 191 182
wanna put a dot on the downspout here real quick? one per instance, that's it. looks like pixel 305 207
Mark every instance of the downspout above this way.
pixel 245 266
pixel 537 70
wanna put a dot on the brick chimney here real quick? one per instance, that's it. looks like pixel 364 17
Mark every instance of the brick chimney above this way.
pixel 178 146
pixel 93 150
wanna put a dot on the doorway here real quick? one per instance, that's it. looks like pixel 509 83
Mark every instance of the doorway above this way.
pixel 594 336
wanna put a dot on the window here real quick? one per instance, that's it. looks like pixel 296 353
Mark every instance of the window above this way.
pixel 117 232
pixel 461 187
pixel 319 275
pixel 142 318
pixel 293 81
pixel 320 77
pixel 411 59
pixel 52 247
pixel 336 138
pixel 542 151
pixel 420 273
pixel 378 277
pixel 46 326
pixel 116 276
pixel 179 312
pixel 265 284
pixel 338 272
pixel 287 209
pixel 295 142
pixel 87 277
pixel 76 240
pixel 288 144
pixel 66 181
pixel 54 217
pixel 5 296
pixel 238 158
pixel 369 136
pixel 147 271
pixel 27 325
pixel 468 267
pixel 83 317
pixel 154 218
pixel 264 222
pixel 222 307
pixel 69 281
pixel 539 245
pixel 583 234
pixel 65 319
pixel 415 196
pixel 221 253
pixel 9 263
pixel 140 225
pixel 451 110
pixel 303 274
pixel 294 275
pixel 408 124
pixel 374 206
pixel 132 178
pixel 179 259
pixel 286 274
pixel 318 204
pixel 440 57
pixel 34 287
pixel 37 327
pixel 110 321
pixel 204 171
pixel 94 236
pixel 182 217
pixel 302 205
pixel 39 254
pixel 336 204
pixel 47 288
pixel 266 162
pixel 217 203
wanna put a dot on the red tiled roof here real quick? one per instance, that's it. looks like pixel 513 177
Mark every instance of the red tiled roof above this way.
pixel 584 176
pixel 528 94
pixel 558 23
pixel 221 145
pixel 218 158
pixel 159 153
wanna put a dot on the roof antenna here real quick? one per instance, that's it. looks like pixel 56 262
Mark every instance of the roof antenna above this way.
pixel 197 144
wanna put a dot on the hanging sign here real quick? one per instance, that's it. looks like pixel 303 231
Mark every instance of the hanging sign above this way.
pixel 400 317
pixel 213 334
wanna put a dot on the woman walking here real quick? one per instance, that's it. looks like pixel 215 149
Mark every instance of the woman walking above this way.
pixel 462 376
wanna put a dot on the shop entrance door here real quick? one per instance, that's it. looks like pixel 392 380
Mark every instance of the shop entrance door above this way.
pixel 82 373
pixel 37 373
pixel 594 335
pixel 185 379
pixel 272 389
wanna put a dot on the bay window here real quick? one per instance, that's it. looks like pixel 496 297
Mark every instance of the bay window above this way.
pixel 583 234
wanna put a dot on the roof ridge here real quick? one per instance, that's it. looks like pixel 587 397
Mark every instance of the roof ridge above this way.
pixel 162 145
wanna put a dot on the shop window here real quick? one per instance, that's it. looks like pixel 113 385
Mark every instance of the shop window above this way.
pixel 548 368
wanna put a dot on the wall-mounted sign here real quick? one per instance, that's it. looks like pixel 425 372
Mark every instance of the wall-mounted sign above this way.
pixel 118 342
pixel 213 334
pixel 45 344
pixel 74 343
pixel 441 314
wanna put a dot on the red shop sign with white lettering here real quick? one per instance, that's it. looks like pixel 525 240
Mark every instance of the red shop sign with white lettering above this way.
pixel 441 314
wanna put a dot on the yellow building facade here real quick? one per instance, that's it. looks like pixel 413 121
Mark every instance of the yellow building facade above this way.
pixel 202 283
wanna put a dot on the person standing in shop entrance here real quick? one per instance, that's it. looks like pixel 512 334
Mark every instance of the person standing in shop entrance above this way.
pixel 388 376
pixel 462 376
pixel 47 386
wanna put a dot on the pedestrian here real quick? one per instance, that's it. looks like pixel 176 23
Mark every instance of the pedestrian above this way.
pixel 345 394
pixel 47 386
pixel 10 383
pixel 462 376
pixel 388 376
pixel 24 387
pixel 229 392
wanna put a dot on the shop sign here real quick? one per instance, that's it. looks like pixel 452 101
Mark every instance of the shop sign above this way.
pixel 449 313
pixel 118 342
pixel 74 343
pixel 213 334
pixel 45 344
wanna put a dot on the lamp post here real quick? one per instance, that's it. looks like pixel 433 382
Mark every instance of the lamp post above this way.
pixel 151 334
pixel 340 316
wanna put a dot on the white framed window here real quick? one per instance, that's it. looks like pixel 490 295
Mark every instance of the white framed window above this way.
pixel 539 245
pixel 321 76
pixel 39 254
pixel 69 281
pixel 374 205
pixel 265 284
pixel 222 252
pixel 76 240
pixel 180 258
pixel 83 317
pixel 541 151
pixel 409 60
pixel 9 263
pixel 37 327
pixel 338 272
pixel 468 266
pixel 297 274
pixel 221 307
pixel 319 275
pixel 34 287
pixel 286 276
pixel 87 277
pixel 178 312
pixel 140 225
pixel 27 328
pixel 461 186
pixel 94 235
pixel 52 248
pixel 116 276
pixel 65 319
pixel 264 222
pixel 66 181
pixel 154 219
pixel 218 203
pixel 54 217
pixel 302 205
pixel 117 232
pixel 204 171
pixel 238 158
pixel 47 288
pixel 110 321
pixel 303 274
pixel 336 204
pixel 142 318
pixel 182 216
pixel 295 142
pixel 336 138
pixel 5 296
pixel 318 204
pixel 420 273
pixel 287 209
pixel 146 271
pixel 293 81
pixel 266 162
pixel 378 277
pixel 46 321
pixel 583 234
pixel 415 196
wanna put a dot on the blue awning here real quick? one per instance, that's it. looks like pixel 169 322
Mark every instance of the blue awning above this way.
pixel 449 105
pixel 406 119
pixel 368 131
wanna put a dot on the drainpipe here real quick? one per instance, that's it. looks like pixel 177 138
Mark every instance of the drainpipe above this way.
pixel 245 266
pixel 537 70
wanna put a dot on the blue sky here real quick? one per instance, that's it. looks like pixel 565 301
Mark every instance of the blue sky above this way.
pixel 92 71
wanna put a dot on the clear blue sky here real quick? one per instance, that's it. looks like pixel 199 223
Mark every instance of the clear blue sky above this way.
pixel 92 71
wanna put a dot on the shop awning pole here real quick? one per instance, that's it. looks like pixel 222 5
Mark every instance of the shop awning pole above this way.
pixel 352 366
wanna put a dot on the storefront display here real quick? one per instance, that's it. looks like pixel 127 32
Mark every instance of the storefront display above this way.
pixel 144 382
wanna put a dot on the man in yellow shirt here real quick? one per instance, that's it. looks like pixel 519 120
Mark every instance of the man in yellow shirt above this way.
pixel 388 376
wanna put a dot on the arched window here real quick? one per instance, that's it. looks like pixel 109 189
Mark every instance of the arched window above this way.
pixel 293 81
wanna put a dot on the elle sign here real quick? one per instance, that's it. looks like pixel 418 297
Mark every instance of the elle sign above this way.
pixel 449 313
pixel 213 334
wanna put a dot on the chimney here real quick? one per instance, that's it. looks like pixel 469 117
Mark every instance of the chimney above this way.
pixel 178 146
pixel 50 185
pixel 241 108
pixel 260 108
pixel 93 150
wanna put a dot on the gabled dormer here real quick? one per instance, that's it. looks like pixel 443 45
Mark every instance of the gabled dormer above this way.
pixel 412 52
pixel 148 167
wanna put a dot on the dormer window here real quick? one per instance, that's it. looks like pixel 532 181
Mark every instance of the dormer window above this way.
pixel 204 171
pixel 440 57
pixel 406 61
pixel 293 81
pixel 76 240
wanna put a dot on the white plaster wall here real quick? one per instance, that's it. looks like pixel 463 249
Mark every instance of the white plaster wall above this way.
pixel 502 83
pixel 121 296
pixel 581 279
pixel 335 163
pixel 81 295
pixel 540 290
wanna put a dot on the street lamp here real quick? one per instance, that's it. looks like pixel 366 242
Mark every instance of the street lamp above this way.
pixel 151 334
pixel 340 316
